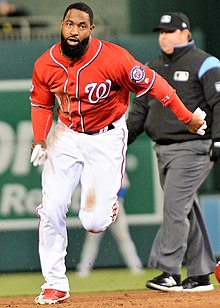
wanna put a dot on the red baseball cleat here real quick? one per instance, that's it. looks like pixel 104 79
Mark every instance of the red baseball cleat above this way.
pixel 51 296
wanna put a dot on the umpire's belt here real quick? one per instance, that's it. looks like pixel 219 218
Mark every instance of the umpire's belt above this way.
pixel 102 130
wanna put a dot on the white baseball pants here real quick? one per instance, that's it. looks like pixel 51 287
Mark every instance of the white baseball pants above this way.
pixel 98 162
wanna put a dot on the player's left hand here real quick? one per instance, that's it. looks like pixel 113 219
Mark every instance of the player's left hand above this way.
pixel 197 125
pixel 214 151
pixel 39 154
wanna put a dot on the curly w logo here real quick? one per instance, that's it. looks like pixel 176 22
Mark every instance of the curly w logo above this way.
pixel 98 91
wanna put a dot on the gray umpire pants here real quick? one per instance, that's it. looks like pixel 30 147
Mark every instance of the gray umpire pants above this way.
pixel 182 235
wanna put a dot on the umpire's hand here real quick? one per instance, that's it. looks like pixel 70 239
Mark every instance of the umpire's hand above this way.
pixel 214 151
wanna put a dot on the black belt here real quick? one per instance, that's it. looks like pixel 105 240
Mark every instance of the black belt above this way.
pixel 102 130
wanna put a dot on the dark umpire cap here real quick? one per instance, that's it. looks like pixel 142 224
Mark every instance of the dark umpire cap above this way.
pixel 173 21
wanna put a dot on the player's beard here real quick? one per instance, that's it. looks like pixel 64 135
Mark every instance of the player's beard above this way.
pixel 74 52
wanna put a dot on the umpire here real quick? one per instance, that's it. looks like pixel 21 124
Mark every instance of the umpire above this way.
pixel 184 159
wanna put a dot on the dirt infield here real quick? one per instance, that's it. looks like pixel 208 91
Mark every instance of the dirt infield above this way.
pixel 128 299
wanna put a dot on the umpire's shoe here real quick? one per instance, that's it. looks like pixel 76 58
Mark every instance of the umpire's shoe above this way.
pixel 197 284
pixel 165 282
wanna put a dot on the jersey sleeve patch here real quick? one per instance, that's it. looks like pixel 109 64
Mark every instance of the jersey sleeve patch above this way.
pixel 137 74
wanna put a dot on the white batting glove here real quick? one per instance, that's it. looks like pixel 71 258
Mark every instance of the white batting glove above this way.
pixel 199 112
pixel 38 155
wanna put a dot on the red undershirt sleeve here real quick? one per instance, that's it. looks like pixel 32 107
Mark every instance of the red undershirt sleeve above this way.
pixel 41 122
pixel 168 97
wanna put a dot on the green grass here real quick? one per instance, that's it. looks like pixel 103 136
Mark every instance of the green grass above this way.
pixel 98 281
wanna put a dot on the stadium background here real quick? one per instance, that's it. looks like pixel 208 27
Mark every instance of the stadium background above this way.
pixel 128 23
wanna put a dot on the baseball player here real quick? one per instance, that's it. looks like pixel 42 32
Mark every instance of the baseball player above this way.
pixel 90 79
pixel 120 231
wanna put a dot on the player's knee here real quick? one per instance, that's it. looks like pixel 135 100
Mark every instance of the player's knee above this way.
pixel 94 228
pixel 92 224
pixel 96 223
pixel 94 232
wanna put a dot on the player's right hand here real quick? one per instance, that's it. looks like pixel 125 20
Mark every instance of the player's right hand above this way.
pixel 39 154
pixel 196 125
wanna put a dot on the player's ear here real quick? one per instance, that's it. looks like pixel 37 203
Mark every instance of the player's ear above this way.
pixel 92 27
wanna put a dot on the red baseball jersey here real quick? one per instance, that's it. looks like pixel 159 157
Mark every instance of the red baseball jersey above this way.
pixel 93 91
